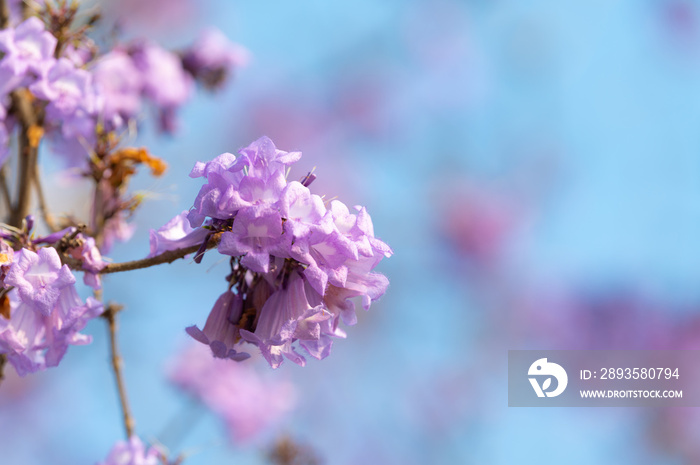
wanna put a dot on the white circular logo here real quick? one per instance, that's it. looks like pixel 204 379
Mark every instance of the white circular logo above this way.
pixel 546 371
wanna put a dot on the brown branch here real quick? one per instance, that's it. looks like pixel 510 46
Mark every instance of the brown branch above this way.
pixel 110 315
pixel 26 9
pixel 28 152
pixel 43 207
pixel 3 361
pixel 168 256
pixel 5 190
pixel 4 14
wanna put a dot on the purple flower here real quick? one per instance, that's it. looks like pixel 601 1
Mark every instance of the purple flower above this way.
pixel 40 278
pixel 9 81
pixel 212 58
pixel 256 234
pixel 165 82
pixel 220 331
pixel 116 229
pixel 249 402
pixel 220 197
pixel 256 177
pixel 296 264
pixel 263 160
pixel 63 84
pixel 305 212
pixel 119 84
pixel 28 47
pixel 285 318
pixel 91 258
pixel 81 53
pixel 70 113
pixel 22 337
pixel 176 234
pixel 132 452
pixel 71 98
pixel 46 313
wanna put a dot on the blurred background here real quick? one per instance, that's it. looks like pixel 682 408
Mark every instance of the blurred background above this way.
pixel 535 167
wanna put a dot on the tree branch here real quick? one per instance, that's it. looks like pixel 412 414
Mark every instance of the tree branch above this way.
pixel 43 207
pixel 28 152
pixel 168 256
pixel 5 191
pixel 3 361
pixel 110 315
pixel 4 14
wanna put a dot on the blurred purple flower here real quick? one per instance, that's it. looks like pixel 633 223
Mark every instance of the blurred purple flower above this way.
pixel 64 85
pixel 28 47
pixel 132 452
pixel 116 229
pixel 250 403
pixel 119 83
pixel 212 58
pixel 165 82
pixel 81 53
pixel 478 231
pixel 71 97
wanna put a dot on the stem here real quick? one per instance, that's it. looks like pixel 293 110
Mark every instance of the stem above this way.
pixel 4 14
pixel 28 153
pixel 96 215
pixel 43 207
pixel 168 256
pixel 5 190
pixel 26 9
pixel 111 315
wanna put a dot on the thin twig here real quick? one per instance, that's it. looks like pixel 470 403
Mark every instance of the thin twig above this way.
pixel 168 256
pixel 26 9
pixel 110 315
pixel 5 190
pixel 4 23
pixel 4 14
pixel 3 361
pixel 43 207
pixel 28 153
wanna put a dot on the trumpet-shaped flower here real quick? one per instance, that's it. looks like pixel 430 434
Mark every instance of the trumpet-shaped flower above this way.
pixel 46 314
pixel 297 262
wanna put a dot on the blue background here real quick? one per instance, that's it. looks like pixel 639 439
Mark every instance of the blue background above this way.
pixel 574 124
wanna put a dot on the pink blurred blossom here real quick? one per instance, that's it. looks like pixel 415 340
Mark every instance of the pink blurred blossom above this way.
pixel 250 402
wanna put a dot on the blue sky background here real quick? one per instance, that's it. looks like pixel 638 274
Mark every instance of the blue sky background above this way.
pixel 579 120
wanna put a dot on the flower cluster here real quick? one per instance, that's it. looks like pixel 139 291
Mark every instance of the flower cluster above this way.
pixel 83 94
pixel 296 260
pixel 43 313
